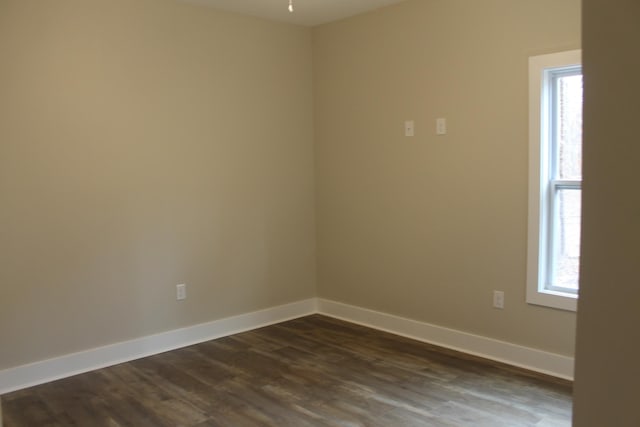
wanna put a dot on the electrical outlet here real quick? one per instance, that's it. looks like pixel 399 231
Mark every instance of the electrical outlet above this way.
pixel 498 299
pixel 181 291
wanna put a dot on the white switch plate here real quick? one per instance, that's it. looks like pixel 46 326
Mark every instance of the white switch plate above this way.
pixel 441 126
pixel 498 299
pixel 181 292
pixel 409 128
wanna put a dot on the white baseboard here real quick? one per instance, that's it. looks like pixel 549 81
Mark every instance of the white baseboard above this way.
pixel 72 364
pixel 65 366
pixel 501 351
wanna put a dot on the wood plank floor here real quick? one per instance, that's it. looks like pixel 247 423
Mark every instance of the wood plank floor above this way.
pixel 313 371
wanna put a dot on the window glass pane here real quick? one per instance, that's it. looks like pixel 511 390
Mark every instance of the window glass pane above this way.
pixel 569 127
pixel 567 239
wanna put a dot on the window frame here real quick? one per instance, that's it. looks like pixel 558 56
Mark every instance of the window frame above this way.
pixel 542 186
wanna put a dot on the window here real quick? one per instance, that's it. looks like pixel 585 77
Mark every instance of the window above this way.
pixel 555 179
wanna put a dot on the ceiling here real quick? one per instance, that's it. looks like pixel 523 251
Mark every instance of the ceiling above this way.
pixel 306 12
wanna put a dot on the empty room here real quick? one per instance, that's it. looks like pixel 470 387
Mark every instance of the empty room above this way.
pixel 319 213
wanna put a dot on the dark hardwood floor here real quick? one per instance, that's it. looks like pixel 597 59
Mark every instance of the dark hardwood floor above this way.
pixel 314 371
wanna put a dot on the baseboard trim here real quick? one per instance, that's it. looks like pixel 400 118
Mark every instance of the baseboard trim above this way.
pixel 77 363
pixel 528 358
pixel 72 364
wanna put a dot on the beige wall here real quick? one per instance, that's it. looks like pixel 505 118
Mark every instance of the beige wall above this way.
pixel 143 144
pixel 608 335
pixel 427 227
pixel 149 143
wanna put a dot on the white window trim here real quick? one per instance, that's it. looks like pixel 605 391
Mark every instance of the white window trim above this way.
pixel 538 214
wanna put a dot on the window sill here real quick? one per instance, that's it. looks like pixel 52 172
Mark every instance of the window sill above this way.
pixel 553 299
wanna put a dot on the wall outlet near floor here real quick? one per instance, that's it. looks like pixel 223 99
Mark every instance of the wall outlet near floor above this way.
pixel 498 299
pixel 181 291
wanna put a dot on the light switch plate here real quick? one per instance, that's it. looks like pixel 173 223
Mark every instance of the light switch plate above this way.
pixel 409 128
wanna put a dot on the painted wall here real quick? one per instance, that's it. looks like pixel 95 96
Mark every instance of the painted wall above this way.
pixel 427 227
pixel 144 144
pixel 149 143
pixel 608 337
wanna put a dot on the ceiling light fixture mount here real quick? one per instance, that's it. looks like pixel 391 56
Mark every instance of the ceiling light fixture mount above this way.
pixel 291 6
